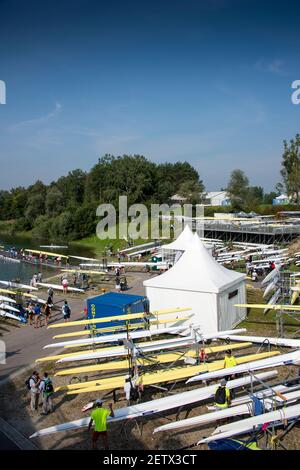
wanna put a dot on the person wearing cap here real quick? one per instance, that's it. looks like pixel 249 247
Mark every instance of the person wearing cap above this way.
pixel 222 395
pixel 229 360
pixel 99 418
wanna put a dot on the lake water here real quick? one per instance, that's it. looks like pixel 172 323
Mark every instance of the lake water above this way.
pixel 10 270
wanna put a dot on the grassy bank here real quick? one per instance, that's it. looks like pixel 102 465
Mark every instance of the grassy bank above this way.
pixel 101 246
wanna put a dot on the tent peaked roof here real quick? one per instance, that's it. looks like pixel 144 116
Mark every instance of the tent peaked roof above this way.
pixel 183 242
pixel 198 271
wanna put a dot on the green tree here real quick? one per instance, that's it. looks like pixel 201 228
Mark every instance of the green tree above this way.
pixel 268 197
pixel 192 191
pixel 18 201
pixel 290 171
pixel 72 187
pixel 42 227
pixel 35 206
pixel 237 189
pixel 53 202
pixel 254 197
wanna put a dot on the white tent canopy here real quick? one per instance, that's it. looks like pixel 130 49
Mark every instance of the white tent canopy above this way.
pixel 200 282
pixel 181 243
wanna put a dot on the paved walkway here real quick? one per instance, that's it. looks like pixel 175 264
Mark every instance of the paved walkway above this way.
pixel 25 344
pixel 7 444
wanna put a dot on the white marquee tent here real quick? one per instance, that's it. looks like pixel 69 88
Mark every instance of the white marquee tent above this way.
pixel 172 251
pixel 199 282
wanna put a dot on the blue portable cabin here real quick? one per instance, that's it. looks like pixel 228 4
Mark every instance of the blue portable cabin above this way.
pixel 118 304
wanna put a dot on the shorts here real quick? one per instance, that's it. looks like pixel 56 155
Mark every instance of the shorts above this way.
pixel 67 315
pixel 96 435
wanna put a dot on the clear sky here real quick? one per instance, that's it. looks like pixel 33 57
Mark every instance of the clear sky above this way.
pixel 207 81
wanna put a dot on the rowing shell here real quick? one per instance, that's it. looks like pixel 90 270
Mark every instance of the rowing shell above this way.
pixel 156 406
pixel 150 378
pixel 58 287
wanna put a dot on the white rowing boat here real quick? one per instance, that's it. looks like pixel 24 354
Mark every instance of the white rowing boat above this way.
pixel 233 410
pixel 253 423
pixel 183 330
pixel 280 360
pixel 10 315
pixel 155 406
pixel 58 287
pixel 17 285
pixel 3 298
pixel 283 342
pixel 4 306
pixel 273 299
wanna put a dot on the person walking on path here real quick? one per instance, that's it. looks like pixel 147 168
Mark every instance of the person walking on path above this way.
pixel 66 311
pixel 34 383
pixel 99 418
pixel 47 313
pixel 47 390
pixel 65 285
pixel 37 313
pixel 30 311
pixel 50 296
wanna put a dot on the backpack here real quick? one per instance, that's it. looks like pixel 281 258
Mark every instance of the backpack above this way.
pixel 27 382
pixel 220 396
pixel 48 388
pixel 67 310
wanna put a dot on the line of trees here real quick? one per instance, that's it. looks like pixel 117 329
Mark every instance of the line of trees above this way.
pixel 66 208
pixel 245 197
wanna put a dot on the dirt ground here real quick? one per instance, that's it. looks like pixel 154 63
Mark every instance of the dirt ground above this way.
pixel 14 408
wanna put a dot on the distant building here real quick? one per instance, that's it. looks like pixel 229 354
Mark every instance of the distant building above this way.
pixel 282 199
pixel 216 198
pixel 178 199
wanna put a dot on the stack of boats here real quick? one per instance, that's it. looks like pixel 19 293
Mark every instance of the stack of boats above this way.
pixel 161 360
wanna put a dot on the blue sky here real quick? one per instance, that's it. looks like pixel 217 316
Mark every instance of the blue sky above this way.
pixel 204 81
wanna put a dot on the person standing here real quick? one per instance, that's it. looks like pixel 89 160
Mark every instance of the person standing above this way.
pixel 34 383
pixel 30 310
pixel 33 280
pixel 40 277
pixel 47 313
pixel 222 396
pixel 50 296
pixel 66 311
pixel 99 418
pixel 37 314
pixel 65 285
pixel 118 284
pixel 229 360
pixel 47 390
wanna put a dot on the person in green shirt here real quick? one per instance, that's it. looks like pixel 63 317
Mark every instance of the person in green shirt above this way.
pixel 99 418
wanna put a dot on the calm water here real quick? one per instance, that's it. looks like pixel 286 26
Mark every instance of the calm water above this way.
pixel 10 270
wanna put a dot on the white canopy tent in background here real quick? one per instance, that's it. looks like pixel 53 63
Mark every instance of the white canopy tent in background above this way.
pixel 172 251
pixel 200 282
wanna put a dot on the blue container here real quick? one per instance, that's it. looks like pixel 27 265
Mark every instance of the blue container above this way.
pixel 112 304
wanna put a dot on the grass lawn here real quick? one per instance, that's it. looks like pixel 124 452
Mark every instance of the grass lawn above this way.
pixel 261 324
